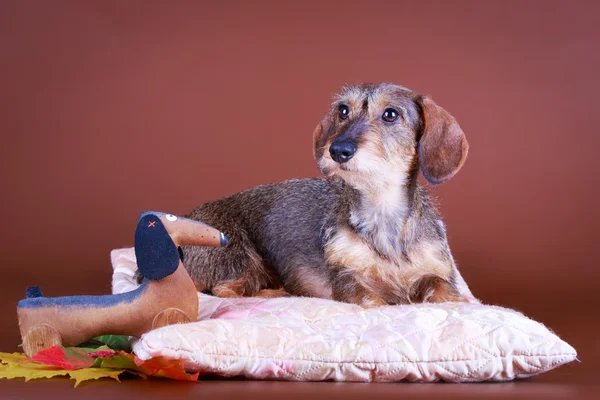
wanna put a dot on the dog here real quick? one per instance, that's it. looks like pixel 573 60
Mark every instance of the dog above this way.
pixel 367 232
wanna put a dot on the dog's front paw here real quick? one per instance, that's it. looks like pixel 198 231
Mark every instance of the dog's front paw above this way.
pixel 372 302
pixel 433 289
pixel 443 297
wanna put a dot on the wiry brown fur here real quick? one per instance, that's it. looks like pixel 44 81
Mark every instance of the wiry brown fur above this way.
pixel 367 233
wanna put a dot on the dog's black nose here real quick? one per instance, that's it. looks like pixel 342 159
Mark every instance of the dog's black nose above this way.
pixel 342 151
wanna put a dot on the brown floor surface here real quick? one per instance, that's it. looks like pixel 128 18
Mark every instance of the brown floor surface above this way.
pixel 561 384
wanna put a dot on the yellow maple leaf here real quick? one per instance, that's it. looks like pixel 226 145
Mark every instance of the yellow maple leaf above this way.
pixel 16 366
pixel 86 374
pixel 7 357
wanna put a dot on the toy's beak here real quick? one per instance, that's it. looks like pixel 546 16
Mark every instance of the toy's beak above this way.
pixel 187 232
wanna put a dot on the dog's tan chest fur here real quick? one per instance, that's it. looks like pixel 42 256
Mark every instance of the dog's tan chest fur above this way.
pixel 391 277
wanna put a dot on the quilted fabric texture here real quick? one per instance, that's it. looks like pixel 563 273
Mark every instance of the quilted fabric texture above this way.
pixel 314 339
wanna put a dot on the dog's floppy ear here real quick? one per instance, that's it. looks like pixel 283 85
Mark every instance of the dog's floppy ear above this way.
pixel 316 134
pixel 443 146
pixel 318 139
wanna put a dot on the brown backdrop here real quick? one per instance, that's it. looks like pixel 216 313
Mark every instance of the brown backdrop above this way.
pixel 109 108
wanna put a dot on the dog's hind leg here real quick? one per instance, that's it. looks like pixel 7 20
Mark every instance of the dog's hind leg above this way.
pixel 235 270
pixel 230 288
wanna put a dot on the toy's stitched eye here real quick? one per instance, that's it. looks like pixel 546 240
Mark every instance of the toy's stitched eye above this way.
pixel 390 115
pixel 343 112
pixel 171 217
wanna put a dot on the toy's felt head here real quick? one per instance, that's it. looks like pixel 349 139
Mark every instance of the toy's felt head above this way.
pixel 158 235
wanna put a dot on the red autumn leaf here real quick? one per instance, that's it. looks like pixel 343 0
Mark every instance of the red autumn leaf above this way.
pixel 66 358
pixel 105 353
pixel 72 358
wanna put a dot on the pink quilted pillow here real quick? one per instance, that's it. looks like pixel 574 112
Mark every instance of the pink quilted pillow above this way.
pixel 312 339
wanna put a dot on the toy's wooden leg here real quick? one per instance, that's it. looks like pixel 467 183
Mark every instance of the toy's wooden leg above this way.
pixel 170 316
pixel 40 337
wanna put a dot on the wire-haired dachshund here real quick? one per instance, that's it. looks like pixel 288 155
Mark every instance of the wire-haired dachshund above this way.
pixel 367 232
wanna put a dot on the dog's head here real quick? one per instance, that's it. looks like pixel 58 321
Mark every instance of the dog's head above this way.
pixel 380 132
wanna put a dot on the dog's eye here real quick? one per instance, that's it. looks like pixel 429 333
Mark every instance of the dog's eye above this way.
pixel 390 115
pixel 343 112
